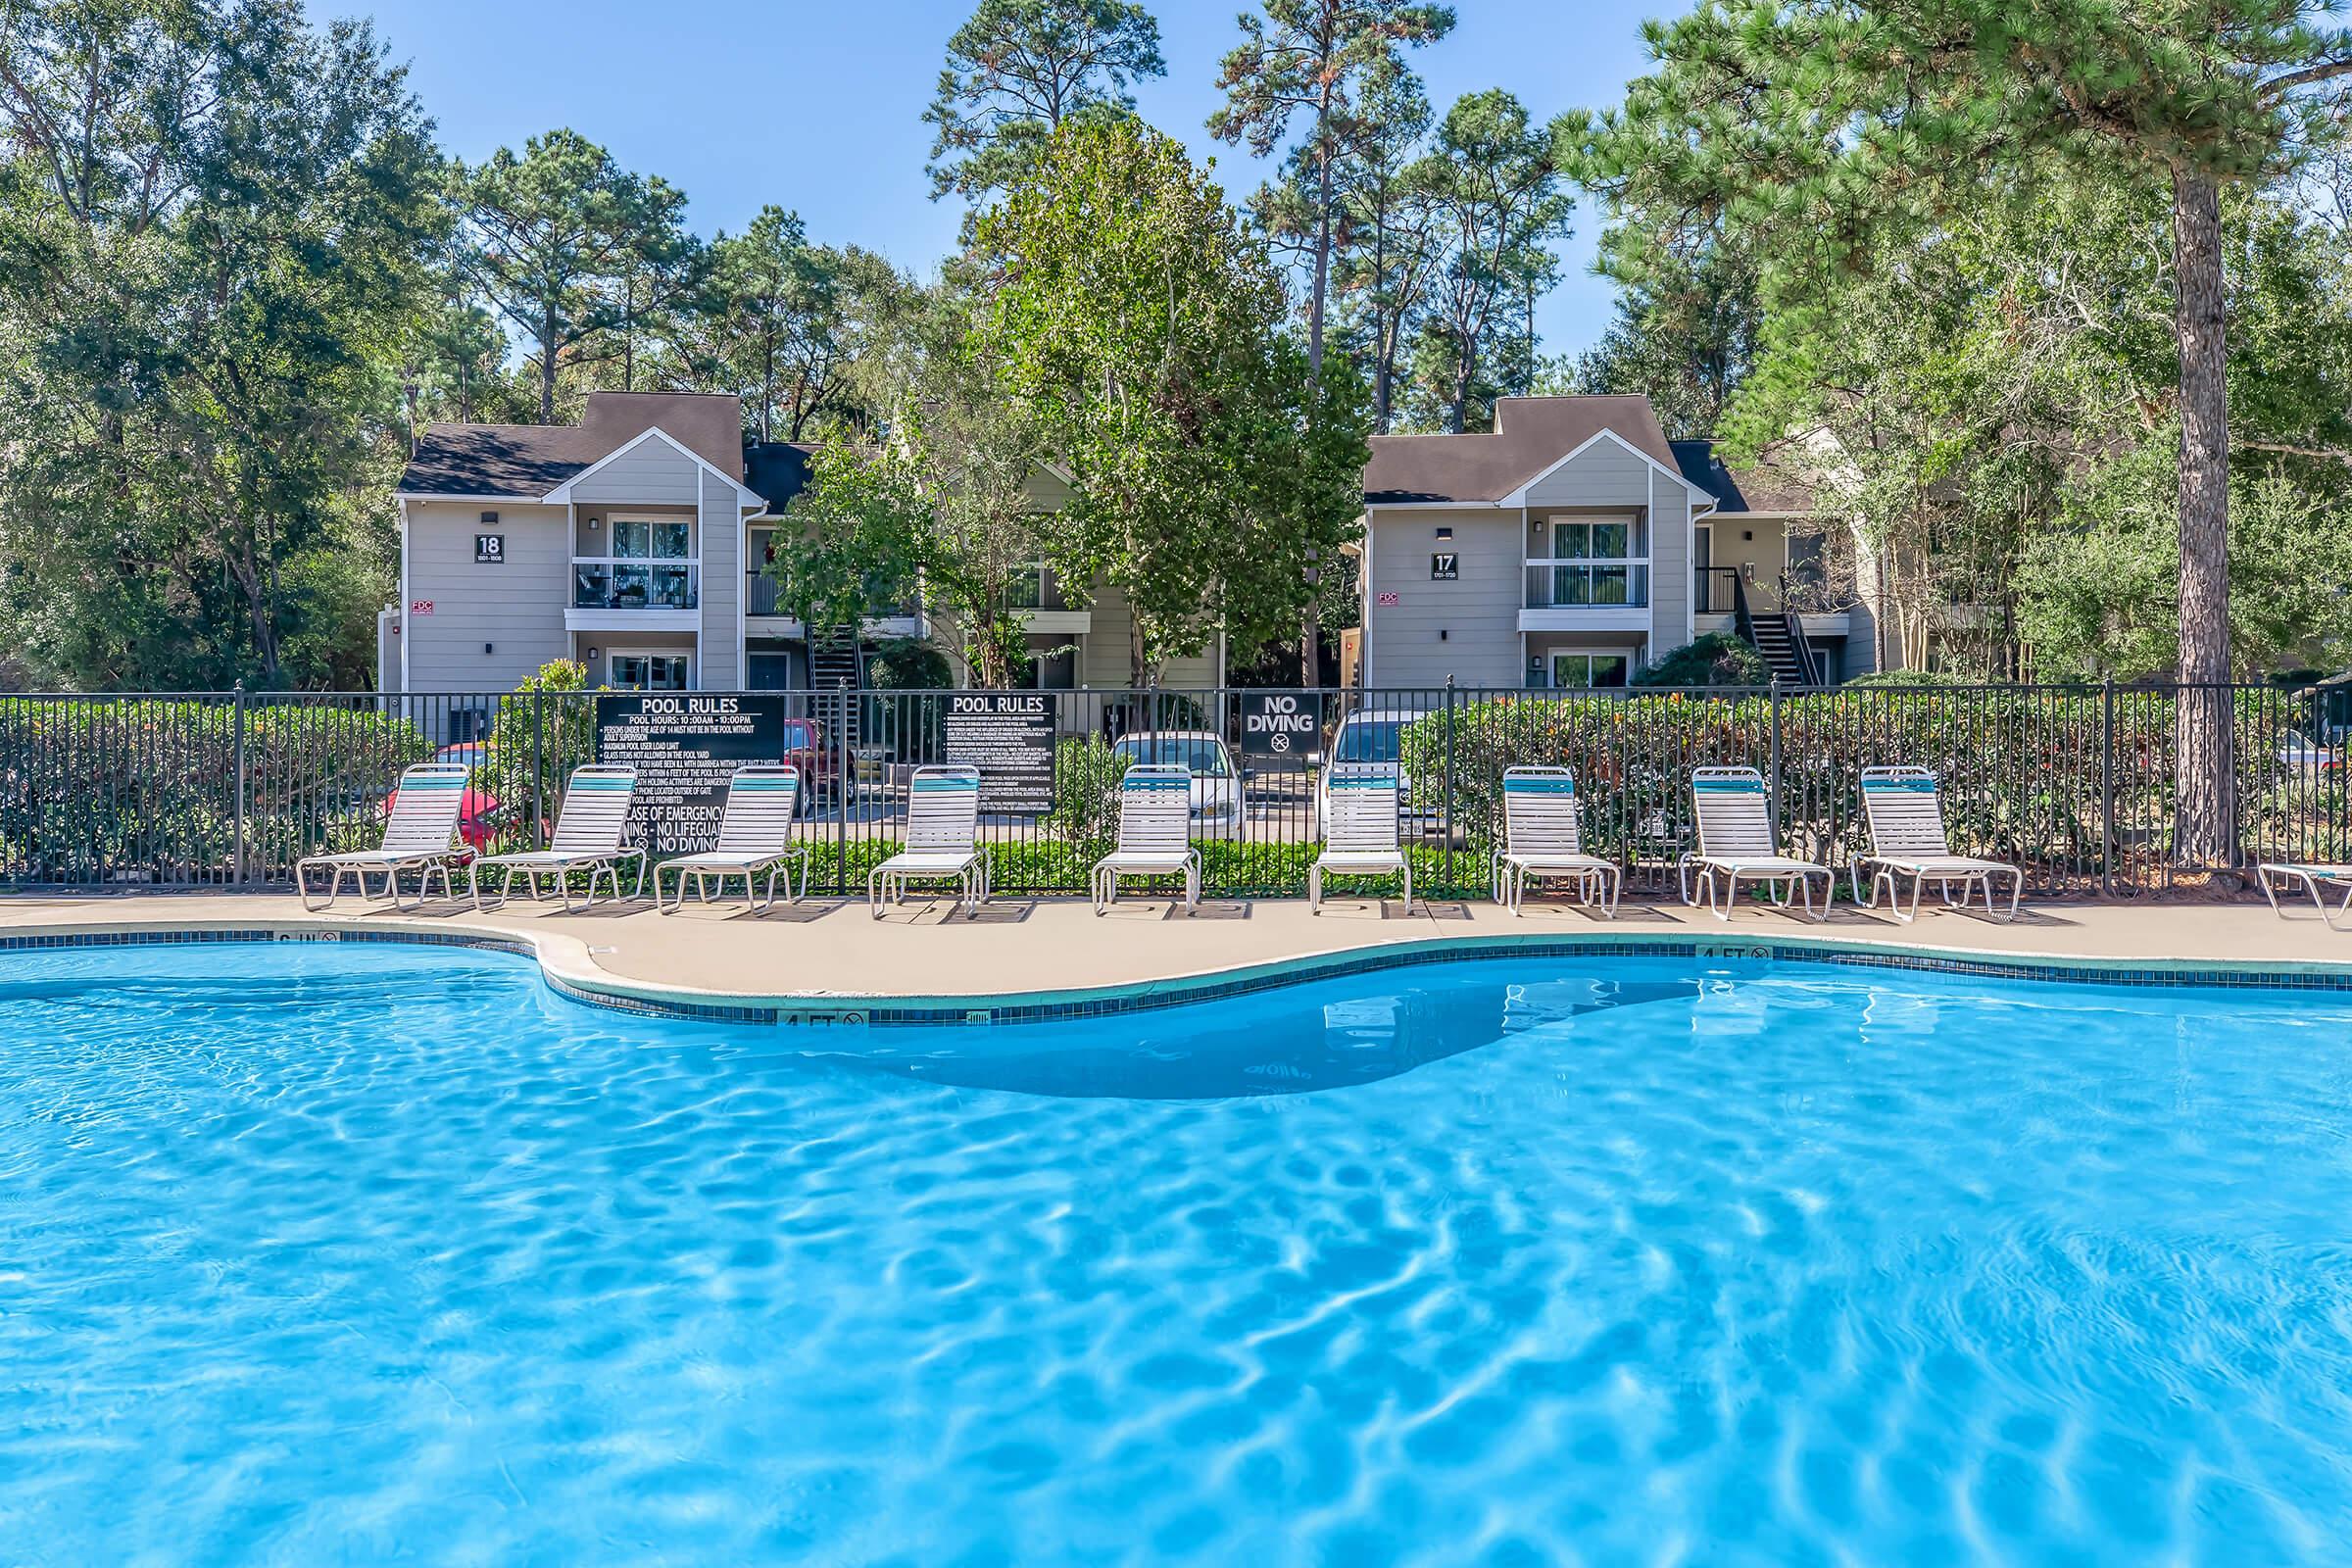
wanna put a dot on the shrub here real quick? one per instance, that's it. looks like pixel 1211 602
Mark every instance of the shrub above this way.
pixel 1086 791
pixel 1717 658
pixel 146 789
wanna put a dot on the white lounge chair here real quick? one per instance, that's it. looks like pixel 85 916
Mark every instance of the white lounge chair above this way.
pixel 1541 839
pixel 1738 842
pixel 2312 876
pixel 591 836
pixel 1156 816
pixel 755 835
pixel 427 806
pixel 1907 839
pixel 943 827
pixel 1361 832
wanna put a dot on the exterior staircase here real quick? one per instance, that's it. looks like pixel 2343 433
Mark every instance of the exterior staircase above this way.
pixel 1781 641
pixel 835 661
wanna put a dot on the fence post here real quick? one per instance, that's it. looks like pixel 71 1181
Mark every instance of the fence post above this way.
pixel 841 795
pixel 1776 752
pixel 538 766
pixel 237 761
pixel 2107 788
pixel 1445 808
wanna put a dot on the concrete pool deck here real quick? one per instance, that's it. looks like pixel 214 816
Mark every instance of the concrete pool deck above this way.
pixel 829 952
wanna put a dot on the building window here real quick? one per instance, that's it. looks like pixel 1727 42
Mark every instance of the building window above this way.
pixel 650 673
pixel 1577 671
pixel 1589 562
pixel 652 567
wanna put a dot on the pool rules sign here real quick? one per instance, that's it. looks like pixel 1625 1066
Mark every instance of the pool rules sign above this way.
pixel 685 748
pixel 1009 738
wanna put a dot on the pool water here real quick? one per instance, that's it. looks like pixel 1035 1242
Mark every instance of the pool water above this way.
pixel 314 1255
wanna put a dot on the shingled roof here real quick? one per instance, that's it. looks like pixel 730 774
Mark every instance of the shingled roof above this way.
pixel 1530 435
pixel 530 460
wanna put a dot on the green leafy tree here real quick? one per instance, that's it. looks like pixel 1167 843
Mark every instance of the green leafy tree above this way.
pixel 1140 324
pixel 1016 69
pixel 946 500
pixel 213 219
pixel 1312 61
pixel 1494 182
pixel 1824 124
pixel 1388 249
pixel 1685 337
pixel 570 250
pixel 1206 460
pixel 783 324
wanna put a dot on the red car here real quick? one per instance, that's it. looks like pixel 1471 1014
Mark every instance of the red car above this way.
pixel 476 817
pixel 805 747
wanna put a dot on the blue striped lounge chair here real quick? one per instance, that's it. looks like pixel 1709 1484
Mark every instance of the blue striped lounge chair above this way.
pixel 419 836
pixel 1907 840
pixel 1738 842
pixel 1155 811
pixel 1360 837
pixel 943 829
pixel 1541 839
pixel 591 836
pixel 755 837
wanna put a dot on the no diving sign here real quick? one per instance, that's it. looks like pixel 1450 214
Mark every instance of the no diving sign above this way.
pixel 1279 724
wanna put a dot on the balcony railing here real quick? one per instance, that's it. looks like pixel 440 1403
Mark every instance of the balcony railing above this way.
pixel 1587 584
pixel 1715 590
pixel 759 598
pixel 606 583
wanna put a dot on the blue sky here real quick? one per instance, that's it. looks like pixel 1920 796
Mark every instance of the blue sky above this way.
pixel 818 106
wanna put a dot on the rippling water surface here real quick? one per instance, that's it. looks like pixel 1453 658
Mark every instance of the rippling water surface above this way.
pixel 315 1256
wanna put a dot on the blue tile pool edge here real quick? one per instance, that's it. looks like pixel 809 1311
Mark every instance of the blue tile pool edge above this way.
pixel 917 1011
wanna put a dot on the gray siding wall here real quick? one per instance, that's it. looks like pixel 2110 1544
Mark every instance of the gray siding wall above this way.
pixel 1603 474
pixel 1104 662
pixel 651 470
pixel 1606 474
pixel 1670 585
pixel 516 607
pixel 1479 613
pixel 721 531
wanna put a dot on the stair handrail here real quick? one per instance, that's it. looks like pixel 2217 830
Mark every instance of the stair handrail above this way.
pixel 1796 633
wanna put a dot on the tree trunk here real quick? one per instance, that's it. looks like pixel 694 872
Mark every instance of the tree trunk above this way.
pixel 2204 764
pixel 1139 668
pixel 547 373
pixel 1310 629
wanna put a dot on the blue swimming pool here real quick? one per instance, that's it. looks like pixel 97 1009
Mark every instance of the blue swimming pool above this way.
pixel 320 1254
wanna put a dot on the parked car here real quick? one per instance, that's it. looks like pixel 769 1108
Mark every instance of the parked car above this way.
pixel 1376 735
pixel 477 815
pixel 805 747
pixel 2307 755
pixel 1216 787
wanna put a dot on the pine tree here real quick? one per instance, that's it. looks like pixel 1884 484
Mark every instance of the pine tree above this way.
pixel 1825 124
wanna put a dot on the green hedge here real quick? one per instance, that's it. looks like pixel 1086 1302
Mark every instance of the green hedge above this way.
pixel 2025 771
pixel 132 789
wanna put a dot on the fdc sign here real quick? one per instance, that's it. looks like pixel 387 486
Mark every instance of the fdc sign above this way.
pixel 1284 724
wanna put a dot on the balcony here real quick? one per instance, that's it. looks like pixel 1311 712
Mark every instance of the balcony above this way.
pixel 1035 596
pixel 759 600
pixel 619 594
pixel 1586 596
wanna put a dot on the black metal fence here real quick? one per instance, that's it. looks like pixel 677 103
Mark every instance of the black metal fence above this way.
pixel 228 790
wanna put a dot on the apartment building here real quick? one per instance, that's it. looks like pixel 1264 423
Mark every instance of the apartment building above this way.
pixel 1571 545
pixel 636 543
